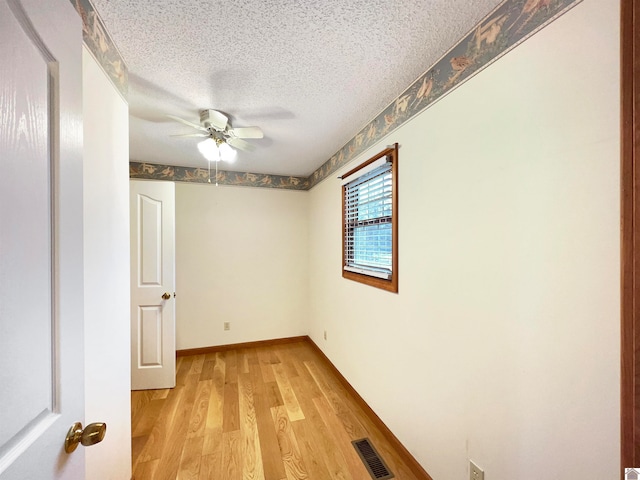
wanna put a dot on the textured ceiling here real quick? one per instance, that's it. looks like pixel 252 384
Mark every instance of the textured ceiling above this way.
pixel 310 73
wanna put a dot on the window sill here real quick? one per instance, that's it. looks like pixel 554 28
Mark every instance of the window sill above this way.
pixel 390 285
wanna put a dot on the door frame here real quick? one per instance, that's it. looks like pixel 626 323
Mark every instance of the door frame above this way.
pixel 630 234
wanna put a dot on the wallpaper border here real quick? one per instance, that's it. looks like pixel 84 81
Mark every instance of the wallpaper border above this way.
pixel 509 24
pixel 153 171
pixel 100 44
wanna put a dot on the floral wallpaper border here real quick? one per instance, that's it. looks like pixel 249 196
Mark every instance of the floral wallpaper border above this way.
pixel 511 23
pixel 97 39
pixel 507 26
pixel 152 171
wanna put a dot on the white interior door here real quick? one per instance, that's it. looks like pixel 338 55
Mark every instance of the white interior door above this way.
pixel 153 330
pixel 41 269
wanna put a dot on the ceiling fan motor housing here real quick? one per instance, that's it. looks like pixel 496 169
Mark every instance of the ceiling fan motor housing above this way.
pixel 212 119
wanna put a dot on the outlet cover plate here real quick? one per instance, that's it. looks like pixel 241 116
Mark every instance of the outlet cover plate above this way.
pixel 475 473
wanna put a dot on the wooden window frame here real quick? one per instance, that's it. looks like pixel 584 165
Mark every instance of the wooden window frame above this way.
pixel 391 284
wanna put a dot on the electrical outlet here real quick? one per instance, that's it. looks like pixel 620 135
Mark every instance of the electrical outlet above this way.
pixel 227 325
pixel 475 473
pixel 325 334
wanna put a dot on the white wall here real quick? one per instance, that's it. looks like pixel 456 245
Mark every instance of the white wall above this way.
pixel 241 257
pixel 503 343
pixel 106 273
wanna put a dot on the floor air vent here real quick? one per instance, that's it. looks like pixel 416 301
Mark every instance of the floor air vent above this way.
pixel 372 460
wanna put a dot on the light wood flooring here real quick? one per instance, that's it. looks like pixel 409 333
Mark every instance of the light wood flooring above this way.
pixel 272 413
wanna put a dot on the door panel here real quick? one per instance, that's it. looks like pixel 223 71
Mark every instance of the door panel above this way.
pixel 150 214
pixel 41 276
pixel 150 329
pixel 25 184
pixel 152 276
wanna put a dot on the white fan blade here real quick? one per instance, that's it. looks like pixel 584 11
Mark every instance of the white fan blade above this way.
pixel 186 122
pixel 216 119
pixel 192 135
pixel 246 132
pixel 240 144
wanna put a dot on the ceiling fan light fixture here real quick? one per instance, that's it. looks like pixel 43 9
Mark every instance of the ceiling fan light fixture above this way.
pixel 209 150
pixel 223 140
pixel 227 153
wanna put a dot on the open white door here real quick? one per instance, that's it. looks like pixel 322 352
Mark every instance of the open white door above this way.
pixel 41 269
pixel 153 331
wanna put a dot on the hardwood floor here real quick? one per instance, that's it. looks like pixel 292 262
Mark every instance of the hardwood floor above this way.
pixel 272 413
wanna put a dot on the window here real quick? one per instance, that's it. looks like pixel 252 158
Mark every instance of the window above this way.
pixel 370 221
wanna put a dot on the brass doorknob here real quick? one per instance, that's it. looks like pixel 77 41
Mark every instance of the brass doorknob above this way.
pixel 90 435
pixel 166 295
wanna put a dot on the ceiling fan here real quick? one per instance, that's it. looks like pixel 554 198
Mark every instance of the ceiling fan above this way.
pixel 220 135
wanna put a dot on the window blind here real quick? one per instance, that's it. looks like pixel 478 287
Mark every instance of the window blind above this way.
pixel 368 222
